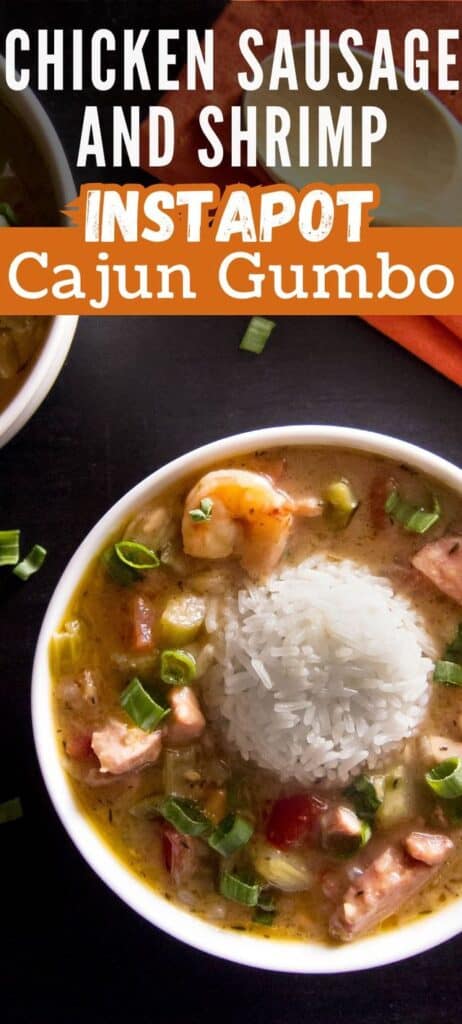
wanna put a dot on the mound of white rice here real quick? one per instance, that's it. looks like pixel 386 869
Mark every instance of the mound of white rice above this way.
pixel 322 669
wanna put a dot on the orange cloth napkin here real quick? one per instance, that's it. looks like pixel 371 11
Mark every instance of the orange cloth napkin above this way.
pixel 438 341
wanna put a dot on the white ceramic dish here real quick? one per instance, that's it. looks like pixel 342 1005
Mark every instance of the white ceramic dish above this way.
pixel 62 329
pixel 418 164
pixel 383 948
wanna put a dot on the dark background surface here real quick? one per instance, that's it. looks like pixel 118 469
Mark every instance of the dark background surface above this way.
pixel 135 393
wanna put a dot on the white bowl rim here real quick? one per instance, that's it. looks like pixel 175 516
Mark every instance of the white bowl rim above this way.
pixel 420 96
pixel 270 954
pixel 58 341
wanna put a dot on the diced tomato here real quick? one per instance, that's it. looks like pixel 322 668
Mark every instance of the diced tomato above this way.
pixel 179 853
pixel 294 819
pixel 142 622
pixel 78 746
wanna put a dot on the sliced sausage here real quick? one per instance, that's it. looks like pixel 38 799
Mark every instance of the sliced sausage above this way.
pixel 388 882
pixel 428 847
pixel 441 562
pixel 121 748
pixel 186 723
pixel 181 854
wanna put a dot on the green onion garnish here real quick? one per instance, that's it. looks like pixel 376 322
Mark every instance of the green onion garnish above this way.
pixel 145 712
pixel 8 213
pixel 447 673
pixel 177 668
pixel 185 815
pixel 203 513
pixel 257 334
pixel 31 563
pixel 66 646
pixel 265 917
pixel 147 808
pixel 11 810
pixel 265 910
pixel 413 518
pixel 364 796
pixel 453 650
pixel 136 556
pixel 9 547
pixel 231 834
pixel 121 573
pixel 240 888
pixel 446 778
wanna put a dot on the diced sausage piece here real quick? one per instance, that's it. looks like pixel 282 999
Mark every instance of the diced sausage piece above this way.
pixel 121 748
pixel 186 722
pixel 428 847
pixel 141 624
pixel 378 494
pixel 435 749
pixel 390 880
pixel 78 746
pixel 180 853
pixel 340 821
pixel 441 562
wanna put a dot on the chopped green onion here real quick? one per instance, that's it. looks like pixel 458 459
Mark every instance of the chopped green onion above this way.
pixel 10 810
pixel 341 503
pixel 177 668
pixel 445 779
pixel 9 547
pixel 256 335
pixel 240 888
pixel 453 810
pixel 265 917
pixel 121 573
pixel 365 795
pixel 453 650
pixel 147 808
pixel 265 911
pixel 203 513
pixel 185 815
pixel 66 647
pixel 136 556
pixel 231 834
pixel 8 213
pixel 145 712
pixel 31 563
pixel 413 518
pixel 447 673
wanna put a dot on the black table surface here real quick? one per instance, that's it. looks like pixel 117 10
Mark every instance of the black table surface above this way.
pixel 134 393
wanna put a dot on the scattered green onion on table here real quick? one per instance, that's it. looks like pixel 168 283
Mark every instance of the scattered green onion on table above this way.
pixel 31 563
pixel 10 554
pixel 9 547
pixel 256 335
pixel 10 810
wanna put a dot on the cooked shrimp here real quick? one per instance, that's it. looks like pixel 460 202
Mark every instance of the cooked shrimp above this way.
pixel 249 518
